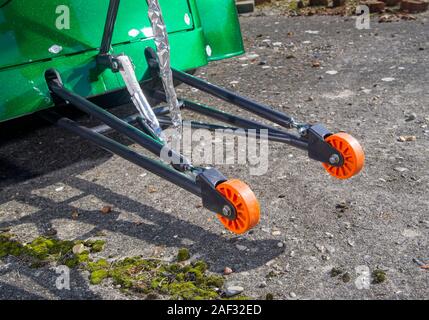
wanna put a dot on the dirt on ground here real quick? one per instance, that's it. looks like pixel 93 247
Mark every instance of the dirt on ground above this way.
pixel 318 238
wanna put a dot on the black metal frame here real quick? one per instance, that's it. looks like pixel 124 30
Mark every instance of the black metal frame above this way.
pixel 202 182
pixel 311 139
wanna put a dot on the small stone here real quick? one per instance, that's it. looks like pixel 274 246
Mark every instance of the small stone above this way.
pixel 241 248
pixel 347 225
pixel 262 285
pixel 270 263
pixel 106 209
pixel 320 247
pixel 351 243
pixel 329 235
pixel 152 190
pixel 292 295
pixel 75 215
pixel 407 138
pixel 78 249
pixel 280 245
pixel 276 233
pixel 410 117
pixel 388 79
pixel 59 189
pixel 315 64
pixel 277 44
pixel 325 257
pixel 292 254
pixel 401 169
pixel 332 72
pixel 233 291
pixel 227 271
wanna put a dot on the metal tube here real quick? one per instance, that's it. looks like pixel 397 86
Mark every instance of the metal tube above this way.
pixel 114 122
pixel 231 97
pixel 112 14
pixel 274 134
pixel 242 131
pixel 115 147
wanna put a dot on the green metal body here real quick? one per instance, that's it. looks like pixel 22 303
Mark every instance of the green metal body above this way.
pixel 200 31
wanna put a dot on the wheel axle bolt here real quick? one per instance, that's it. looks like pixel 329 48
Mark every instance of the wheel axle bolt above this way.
pixel 334 159
pixel 227 212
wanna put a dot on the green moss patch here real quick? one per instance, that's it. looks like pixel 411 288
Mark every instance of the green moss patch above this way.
pixel 183 255
pixel 378 276
pixel 145 277
pixel 43 250
pixel 155 278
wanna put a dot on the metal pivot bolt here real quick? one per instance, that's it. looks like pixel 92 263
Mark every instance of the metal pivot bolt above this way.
pixel 227 212
pixel 334 159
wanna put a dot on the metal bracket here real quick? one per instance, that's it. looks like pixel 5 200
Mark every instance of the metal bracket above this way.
pixel 213 199
pixel 109 61
pixel 319 149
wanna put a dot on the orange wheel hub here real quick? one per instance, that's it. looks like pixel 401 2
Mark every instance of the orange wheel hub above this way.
pixel 352 152
pixel 245 203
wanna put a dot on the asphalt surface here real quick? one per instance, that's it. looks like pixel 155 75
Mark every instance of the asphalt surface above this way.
pixel 310 224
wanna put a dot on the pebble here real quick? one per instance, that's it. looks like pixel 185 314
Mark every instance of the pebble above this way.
pixel 388 79
pixel 263 284
pixel 401 169
pixel 351 243
pixel 240 247
pixel 332 72
pixel 276 233
pixel 292 295
pixel 106 209
pixel 329 235
pixel 280 244
pixel 59 189
pixel 410 117
pixel 233 291
pixel 227 271
pixel 407 138
pixel 277 44
pixel 78 249
pixel 320 247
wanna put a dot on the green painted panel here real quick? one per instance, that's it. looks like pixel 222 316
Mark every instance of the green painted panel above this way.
pixel 28 28
pixel 24 89
pixel 219 20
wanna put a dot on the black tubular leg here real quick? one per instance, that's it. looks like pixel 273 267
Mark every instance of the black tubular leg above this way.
pixel 108 144
pixel 166 122
pixel 112 14
pixel 110 120
pixel 231 97
pixel 274 134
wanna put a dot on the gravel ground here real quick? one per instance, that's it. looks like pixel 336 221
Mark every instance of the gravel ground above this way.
pixel 310 222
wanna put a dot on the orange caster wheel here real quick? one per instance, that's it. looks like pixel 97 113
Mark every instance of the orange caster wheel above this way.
pixel 352 153
pixel 245 203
